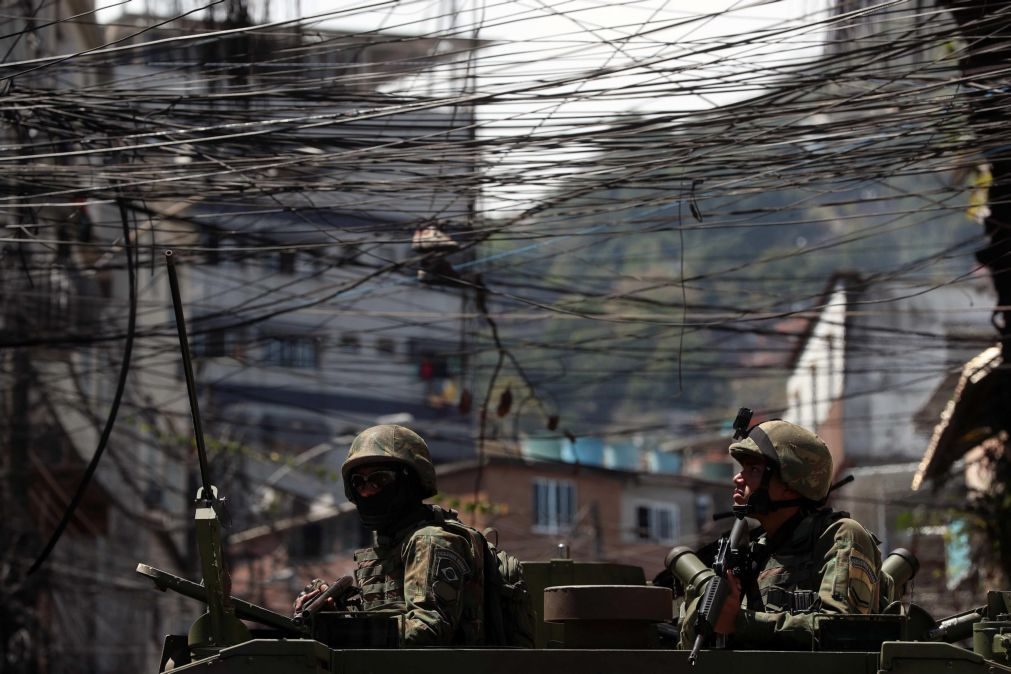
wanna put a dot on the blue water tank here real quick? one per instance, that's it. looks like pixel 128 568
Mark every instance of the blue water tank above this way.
pixel 622 456
pixel 665 462
pixel 546 449
pixel 588 451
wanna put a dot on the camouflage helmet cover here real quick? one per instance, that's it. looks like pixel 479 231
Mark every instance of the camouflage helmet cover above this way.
pixel 391 444
pixel 804 460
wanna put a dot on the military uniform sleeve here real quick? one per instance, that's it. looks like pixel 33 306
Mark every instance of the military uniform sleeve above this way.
pixel 686 622
pixel 436 569
pixel 849 583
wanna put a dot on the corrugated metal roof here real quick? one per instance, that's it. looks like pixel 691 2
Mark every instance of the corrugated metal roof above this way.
pixel 965 421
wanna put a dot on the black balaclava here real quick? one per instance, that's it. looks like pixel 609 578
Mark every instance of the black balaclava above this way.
pixel 394 504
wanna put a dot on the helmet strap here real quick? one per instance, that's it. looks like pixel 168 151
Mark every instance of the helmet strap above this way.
pixel 766 505
pixel 760 503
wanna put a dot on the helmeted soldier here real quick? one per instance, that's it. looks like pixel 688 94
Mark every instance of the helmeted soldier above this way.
pixel 426 571
pixel 808 559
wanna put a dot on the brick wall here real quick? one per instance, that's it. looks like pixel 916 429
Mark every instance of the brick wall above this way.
pixel 508 490
pixel 599 534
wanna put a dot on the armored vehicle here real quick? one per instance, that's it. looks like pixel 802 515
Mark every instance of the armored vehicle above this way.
pixel 590 618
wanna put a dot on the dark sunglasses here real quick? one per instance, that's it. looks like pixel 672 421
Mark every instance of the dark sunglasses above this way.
pixel 376 479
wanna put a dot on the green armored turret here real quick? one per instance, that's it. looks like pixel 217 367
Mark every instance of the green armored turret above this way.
pixel 605 624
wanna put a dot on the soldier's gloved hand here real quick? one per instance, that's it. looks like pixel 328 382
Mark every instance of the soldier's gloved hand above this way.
pixel 315 588
pixel 726 624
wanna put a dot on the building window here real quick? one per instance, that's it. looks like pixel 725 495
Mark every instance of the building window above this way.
pixel 210 344
pixel 352 534
pixel 658 523
pixel 55 311
pixel 386 345
pixel 219 342
pixel 703 510
pixel 434 360
pixel 286 261
pixel 233 249
pixel 312 540
pixel 350 342
pixel 211 243
pixel 292 351
pixel 305 542
pixel 348 254
pixel 554 505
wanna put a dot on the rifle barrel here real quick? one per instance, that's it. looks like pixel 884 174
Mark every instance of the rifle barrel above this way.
pixel 164 580
pixel 191 387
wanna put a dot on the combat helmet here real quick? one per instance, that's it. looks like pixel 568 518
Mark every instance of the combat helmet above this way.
pixel 391 444
pixel 803 459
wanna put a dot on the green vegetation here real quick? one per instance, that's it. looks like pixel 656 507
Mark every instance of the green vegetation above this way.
pixel 625 343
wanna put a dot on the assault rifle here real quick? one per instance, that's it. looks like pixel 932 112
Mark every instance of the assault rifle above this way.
pixel 733 554
pixel 339 591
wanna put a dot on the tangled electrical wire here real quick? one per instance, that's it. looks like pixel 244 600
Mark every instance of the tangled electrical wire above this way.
pixel 612 218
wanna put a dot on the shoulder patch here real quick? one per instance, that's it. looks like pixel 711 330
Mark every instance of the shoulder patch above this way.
pixel 446 574
pixel 448 566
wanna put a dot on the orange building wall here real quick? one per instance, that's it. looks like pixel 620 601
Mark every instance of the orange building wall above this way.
pixel 508 490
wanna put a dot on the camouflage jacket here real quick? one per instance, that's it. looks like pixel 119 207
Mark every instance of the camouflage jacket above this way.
pixel 828 564
pixel 433 575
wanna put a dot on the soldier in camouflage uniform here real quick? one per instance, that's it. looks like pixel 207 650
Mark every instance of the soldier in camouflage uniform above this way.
pixel 424 565
pixel 810 559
